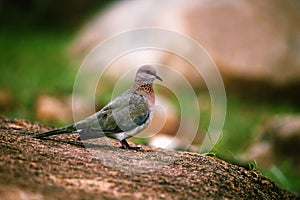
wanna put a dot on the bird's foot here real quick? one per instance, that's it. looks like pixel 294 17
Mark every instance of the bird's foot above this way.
pixel 125 145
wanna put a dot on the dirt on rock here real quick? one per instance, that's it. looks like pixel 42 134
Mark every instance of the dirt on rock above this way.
pixel 62 167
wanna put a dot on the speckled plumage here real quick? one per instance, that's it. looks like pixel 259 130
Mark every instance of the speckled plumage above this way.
pixel 125 116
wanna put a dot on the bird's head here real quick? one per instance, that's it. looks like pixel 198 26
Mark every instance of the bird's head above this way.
pixel 146 74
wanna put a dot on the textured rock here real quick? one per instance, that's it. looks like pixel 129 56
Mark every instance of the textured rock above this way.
pixel 65 168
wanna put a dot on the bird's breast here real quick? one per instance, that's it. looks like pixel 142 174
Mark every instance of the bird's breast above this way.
pixel 147 91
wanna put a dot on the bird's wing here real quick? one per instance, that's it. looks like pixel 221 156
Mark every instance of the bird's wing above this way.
pixel 123 114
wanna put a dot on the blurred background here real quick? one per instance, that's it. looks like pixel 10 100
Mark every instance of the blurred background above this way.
pixel 255 44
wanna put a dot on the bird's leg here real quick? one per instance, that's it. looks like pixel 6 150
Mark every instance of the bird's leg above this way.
pixel 125 145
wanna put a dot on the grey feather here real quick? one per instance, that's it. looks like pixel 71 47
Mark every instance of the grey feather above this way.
pixel 121 115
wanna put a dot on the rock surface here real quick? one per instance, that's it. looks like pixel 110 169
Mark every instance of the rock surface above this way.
pixel 65 168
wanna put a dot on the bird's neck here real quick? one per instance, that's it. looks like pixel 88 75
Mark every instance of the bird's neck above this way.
pixel 147 91
pixel 147 88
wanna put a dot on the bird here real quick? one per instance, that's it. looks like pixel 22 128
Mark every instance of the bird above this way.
pixel 123 117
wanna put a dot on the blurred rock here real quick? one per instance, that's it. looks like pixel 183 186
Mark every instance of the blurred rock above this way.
pixel 5 100
pixel 278 140
pixel 165 141
pixel 164 126
pixel 52 109
pixel 250 41
pixel 261 151
pixel 49 108
pixel 165 119
pixel 286 137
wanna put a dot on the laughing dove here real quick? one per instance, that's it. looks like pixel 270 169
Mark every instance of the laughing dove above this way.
pixel 122 118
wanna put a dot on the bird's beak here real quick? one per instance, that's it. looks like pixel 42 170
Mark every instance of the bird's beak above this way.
pixel 158 77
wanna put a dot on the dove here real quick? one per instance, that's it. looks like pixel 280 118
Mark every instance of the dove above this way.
pixel 123 117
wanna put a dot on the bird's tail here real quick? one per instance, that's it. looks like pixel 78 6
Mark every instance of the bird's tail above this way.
pixel 66 129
